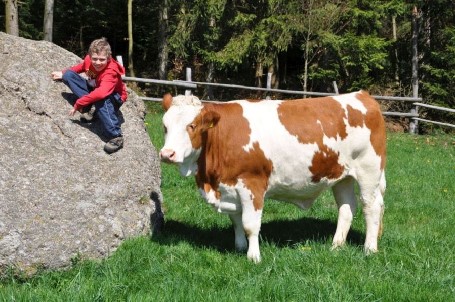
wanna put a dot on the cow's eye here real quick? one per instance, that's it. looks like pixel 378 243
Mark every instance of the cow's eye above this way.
pixel 165 129
pixel 191 127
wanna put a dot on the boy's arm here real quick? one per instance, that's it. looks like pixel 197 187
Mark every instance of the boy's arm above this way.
pixel 78 68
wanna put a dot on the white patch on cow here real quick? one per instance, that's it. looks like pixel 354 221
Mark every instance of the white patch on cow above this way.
pixel 229 203
pixel 356 144
pixel 176 119
pixel 351 100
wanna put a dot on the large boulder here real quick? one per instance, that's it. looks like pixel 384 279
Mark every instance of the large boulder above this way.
pixel 61 196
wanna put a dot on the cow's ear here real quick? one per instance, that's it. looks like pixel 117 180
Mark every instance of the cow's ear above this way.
pixel 167 101
pixel 209 119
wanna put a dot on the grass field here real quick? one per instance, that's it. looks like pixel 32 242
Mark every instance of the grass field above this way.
pixel 194 258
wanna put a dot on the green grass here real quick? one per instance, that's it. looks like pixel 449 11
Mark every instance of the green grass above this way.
pixel 194 258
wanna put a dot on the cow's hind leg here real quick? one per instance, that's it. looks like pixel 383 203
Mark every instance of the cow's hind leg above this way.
pixel 240 239
pixel 347 204
pixel 373 210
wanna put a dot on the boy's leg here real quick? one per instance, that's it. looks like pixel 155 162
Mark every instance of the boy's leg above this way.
pixel 107 113
pixel 76 83
pixel 79 86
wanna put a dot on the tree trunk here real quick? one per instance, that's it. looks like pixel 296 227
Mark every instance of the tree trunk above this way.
pixel 163 48
pixel 415 53
pixel 394 33
pixel 307 48
pixel 209 79
pixel 306 63
pixel 273 69
pixel 81 40
pixel 413 125
pixel 48 20
pixel 259 74
pixel 211 67
pixel 11 18
pixel 130 38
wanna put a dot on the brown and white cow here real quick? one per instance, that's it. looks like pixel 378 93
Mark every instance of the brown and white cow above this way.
pixel 242 152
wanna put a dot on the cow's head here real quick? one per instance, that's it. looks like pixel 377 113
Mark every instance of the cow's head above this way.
pixel 184 126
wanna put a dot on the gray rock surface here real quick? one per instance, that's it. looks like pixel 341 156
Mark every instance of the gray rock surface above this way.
pixel 61 196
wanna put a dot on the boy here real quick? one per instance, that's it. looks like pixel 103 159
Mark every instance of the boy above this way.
pixel 102 86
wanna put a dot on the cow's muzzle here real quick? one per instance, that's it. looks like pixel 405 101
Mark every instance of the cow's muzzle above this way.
pixel 167 156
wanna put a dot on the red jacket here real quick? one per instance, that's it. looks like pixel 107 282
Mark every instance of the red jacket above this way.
pixel 107 81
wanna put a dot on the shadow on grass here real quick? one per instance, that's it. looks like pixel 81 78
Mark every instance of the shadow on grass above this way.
pixel 280 233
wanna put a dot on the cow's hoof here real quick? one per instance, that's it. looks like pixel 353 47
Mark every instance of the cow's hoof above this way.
pixel 256 258
pixel 370 251
pixel 336 245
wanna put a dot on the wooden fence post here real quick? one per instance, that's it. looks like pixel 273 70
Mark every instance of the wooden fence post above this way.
pixel 188 78
pixel 269 83
pixel 119 59
pixel 335 87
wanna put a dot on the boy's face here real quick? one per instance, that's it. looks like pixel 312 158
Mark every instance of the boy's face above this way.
pixel 99 60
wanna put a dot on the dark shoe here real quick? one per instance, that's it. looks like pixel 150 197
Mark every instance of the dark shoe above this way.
pixel 114 145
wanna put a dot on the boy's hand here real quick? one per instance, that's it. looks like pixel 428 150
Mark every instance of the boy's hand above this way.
pixel 72 112
pixel 56 75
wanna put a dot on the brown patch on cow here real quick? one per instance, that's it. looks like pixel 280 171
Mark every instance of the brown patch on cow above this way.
pixel 256 171
pixel 375 122
pixel 312 119
pixel 223 158
pixel 325 164
pixel 198 128
pixel 355 117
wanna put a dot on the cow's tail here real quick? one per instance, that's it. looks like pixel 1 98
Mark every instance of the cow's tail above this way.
pixel 382 186
pixel 382 183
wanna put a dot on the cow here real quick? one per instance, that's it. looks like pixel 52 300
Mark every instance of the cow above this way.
pixel 244 151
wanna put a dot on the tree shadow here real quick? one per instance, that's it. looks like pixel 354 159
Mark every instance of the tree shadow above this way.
pixel 94 126
pixel 280 233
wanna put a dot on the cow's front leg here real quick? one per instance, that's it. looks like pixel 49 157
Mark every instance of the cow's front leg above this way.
pixel 240 239
pixel 252 204
pixel 252 228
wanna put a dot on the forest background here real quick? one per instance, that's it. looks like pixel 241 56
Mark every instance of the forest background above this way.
pixel 304 44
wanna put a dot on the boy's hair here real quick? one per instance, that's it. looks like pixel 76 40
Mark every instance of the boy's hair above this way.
pixel 100 45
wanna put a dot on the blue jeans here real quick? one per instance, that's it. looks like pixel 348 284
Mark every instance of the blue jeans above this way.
pixel 106 110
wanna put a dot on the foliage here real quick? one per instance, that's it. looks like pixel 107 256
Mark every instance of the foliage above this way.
pixel 442 71
pixel 357 60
